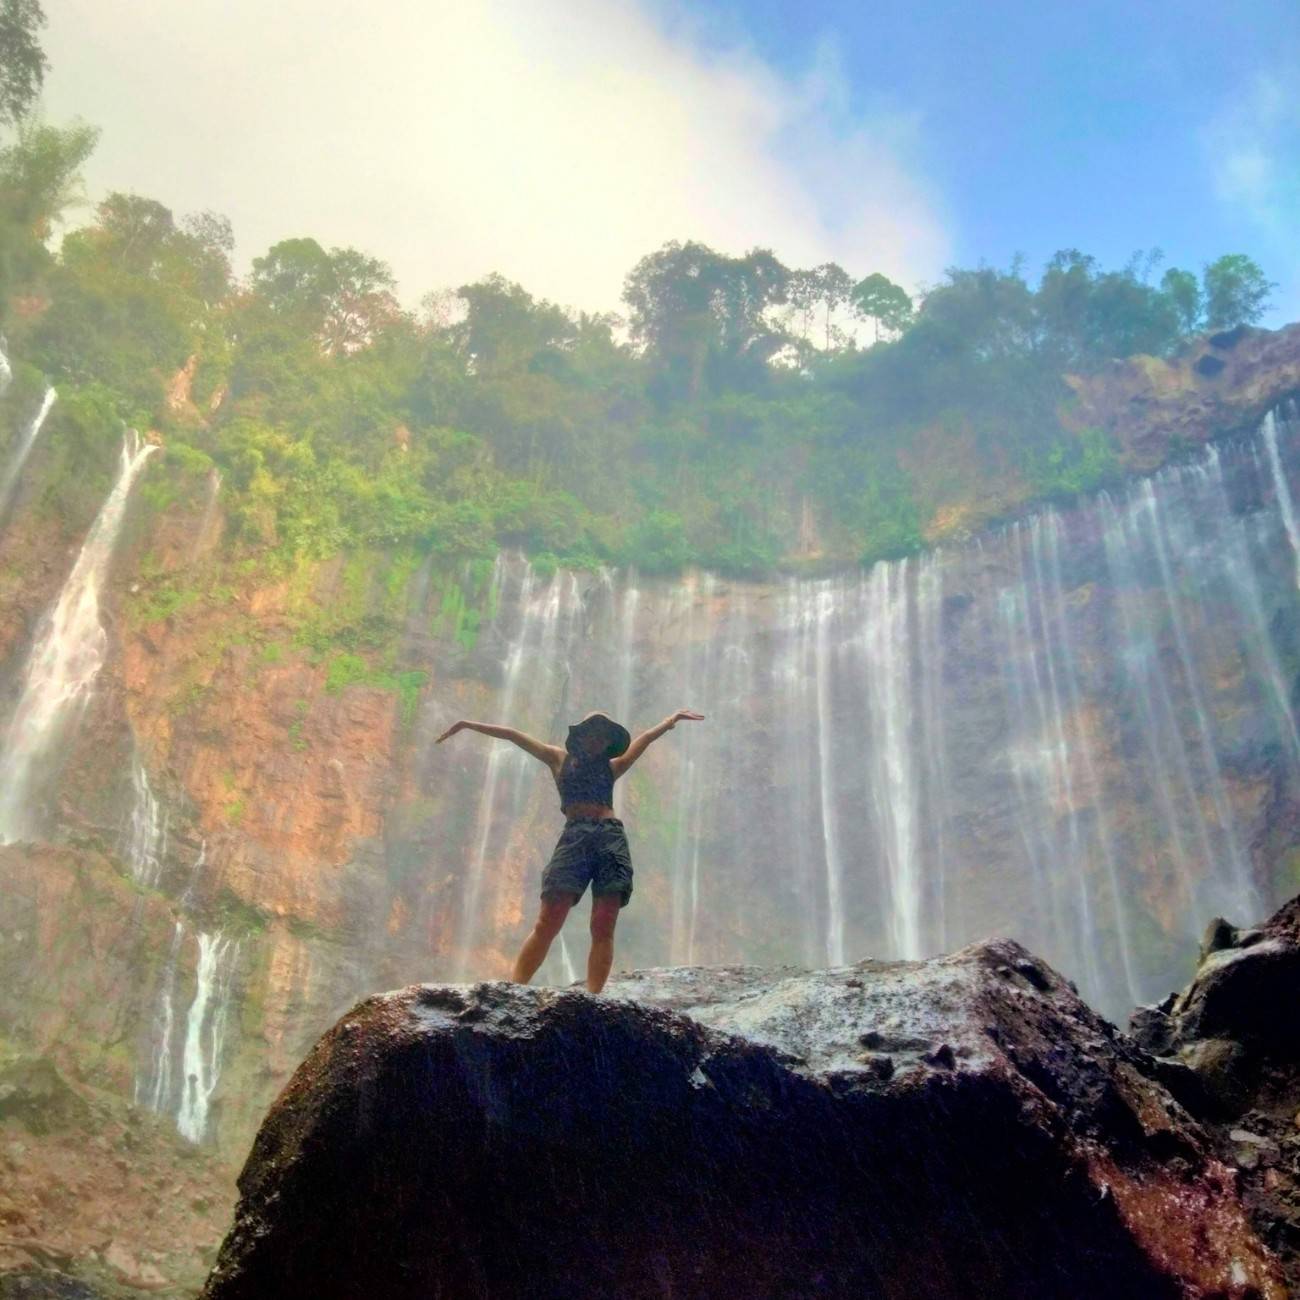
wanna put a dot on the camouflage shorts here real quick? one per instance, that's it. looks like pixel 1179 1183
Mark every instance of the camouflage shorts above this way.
pixel 591 853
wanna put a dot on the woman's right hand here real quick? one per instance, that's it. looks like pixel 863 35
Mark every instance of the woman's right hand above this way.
pixel 452 730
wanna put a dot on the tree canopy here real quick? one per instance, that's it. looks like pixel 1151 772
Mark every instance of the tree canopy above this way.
pixel 23 64
pixel 736 417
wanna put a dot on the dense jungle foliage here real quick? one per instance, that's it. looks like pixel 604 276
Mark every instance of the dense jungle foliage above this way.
pixel 742 414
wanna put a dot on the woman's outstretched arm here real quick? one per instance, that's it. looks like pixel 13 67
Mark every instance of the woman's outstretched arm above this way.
pixel 648 737
pixel 548 754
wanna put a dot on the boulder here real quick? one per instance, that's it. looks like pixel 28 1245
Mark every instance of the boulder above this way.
pixel 1229 1047
pixel 1247 988
pixel 33 1092
pixel 964 1126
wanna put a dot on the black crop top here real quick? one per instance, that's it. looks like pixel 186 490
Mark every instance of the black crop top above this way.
pixel 585 780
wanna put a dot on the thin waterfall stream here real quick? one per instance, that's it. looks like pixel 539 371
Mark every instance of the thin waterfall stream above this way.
pixel 22 450
pixel 205 1031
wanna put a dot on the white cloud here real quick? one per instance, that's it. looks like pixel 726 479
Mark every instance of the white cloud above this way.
pixel 555 142
pixel 1253 147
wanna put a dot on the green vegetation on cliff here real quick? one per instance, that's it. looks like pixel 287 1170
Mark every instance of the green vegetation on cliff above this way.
pixel 730 420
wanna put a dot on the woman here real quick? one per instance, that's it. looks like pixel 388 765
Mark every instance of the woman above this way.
pixel 592 848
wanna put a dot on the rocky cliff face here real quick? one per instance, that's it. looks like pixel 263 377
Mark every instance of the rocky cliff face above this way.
pixel 1078 729
pixel 963 1126
pixel 1218 386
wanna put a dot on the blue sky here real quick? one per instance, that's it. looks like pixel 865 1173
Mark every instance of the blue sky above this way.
pixel 559 142
pixel 1101 125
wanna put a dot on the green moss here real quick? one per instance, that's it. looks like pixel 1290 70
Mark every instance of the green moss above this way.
pixel 346 670
pixel 237 918
pixel 305 930
pixel 465 604
pixel 1071 467
pixel 161 602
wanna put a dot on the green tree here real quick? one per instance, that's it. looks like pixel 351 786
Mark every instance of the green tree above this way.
pixel 1184 294
pixel 986 315
pixel 40 178
pixel 657 543
pixel 344 297
pixel 802 294
pixel 126 303
pixel 879 299
pixel 702 317
pixel 1086 315
pixel 23 64
pixel 505 328
pixel 1236 292
pixel 828 287
pixel 834 288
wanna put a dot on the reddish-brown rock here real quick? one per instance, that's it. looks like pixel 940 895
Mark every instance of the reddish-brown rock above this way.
pixel 1218 385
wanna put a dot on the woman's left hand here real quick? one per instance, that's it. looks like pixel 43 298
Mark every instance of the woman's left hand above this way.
pixel 685 715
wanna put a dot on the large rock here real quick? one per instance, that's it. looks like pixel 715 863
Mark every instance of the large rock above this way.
pixel 960 1127
pixel 1247 988
pixel 1218 385
pixel 1229 1045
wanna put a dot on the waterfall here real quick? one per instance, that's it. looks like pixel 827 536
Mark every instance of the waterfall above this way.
pixel 626 660
pixel 792 670
pixel 689 795
pixel 209 513
pixel 6 370
pixel 157 1085
pixel 153 1088
pixel 535 670
pixel 1069 730
pixel 1283 489
pixel 22 447
pixel 566 962
pixel 934 901
pixel 893 785
pixel 145 840
pixel 205 1029
pixel 823 610
pixel 69 651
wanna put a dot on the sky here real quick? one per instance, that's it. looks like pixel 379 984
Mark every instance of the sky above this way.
pixel 558 141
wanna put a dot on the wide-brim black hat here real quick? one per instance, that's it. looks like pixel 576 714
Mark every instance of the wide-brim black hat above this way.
pixel 619 738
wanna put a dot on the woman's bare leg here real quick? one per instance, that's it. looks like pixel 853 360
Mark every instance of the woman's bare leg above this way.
pixel 604 917
pixel 550 921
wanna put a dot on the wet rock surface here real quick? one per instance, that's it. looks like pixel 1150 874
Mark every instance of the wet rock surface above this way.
pixel 1230 1046
pixel 964 1126
pixel 43 1285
